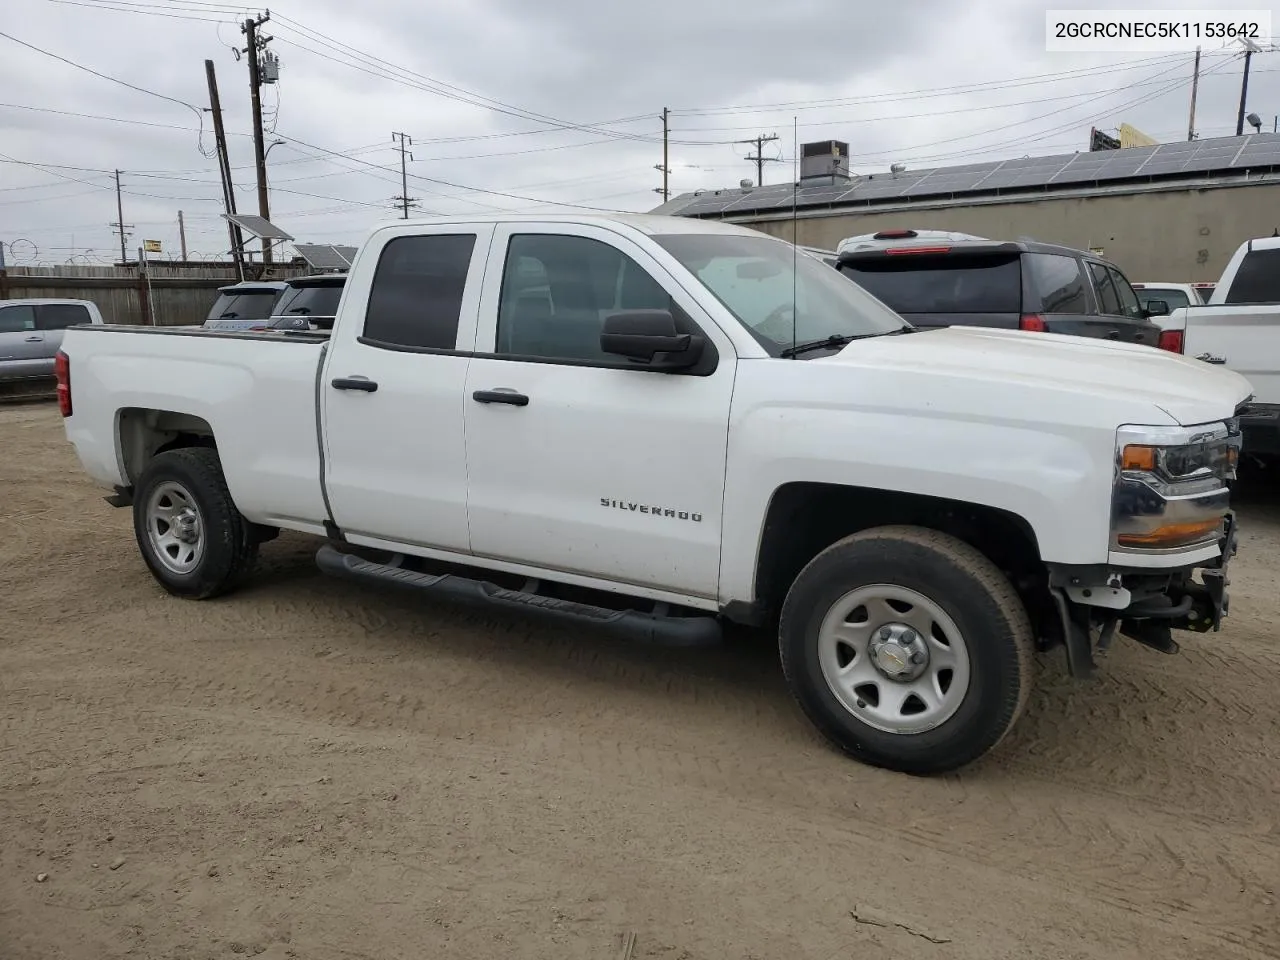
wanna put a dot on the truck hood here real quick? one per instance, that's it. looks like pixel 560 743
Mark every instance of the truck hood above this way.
pixel 1189 391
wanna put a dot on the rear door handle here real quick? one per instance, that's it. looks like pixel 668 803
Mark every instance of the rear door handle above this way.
pixel 355 383
pixel 501 395
pixel 35 339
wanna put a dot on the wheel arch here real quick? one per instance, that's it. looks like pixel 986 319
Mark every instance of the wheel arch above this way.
pixel 804 518
pixel 143 432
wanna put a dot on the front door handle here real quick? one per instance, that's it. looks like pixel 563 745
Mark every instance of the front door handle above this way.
pixel 355 383
pixel 502 395
pixel 35 339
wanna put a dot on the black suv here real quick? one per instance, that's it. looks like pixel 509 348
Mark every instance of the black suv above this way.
pixel 988 283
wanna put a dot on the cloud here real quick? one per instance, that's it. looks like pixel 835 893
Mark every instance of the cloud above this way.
pixel 558 101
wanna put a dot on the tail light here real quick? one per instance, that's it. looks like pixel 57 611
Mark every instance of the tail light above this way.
pixel 62 371
pixel 1170 340
pixel 1032 322
pixel 896 250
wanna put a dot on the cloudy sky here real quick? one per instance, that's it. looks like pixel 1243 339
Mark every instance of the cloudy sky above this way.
pixel 513 104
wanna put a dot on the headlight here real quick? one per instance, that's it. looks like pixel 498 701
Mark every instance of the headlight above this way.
pixel 1171 485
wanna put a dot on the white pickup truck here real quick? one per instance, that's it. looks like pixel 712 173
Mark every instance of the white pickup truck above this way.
pixel 1239 328
pixel 656 425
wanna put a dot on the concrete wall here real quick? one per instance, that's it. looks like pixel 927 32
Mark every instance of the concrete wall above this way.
pixel 1180 236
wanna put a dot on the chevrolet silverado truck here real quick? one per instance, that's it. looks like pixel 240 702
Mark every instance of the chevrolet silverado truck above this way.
pixel 657 426
pixel 1239 328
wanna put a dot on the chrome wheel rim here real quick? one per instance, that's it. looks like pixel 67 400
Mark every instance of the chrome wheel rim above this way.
pixel 894 658
pixel 175 528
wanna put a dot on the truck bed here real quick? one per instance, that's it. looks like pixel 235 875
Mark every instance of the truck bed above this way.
pixel 1244 338
pixel 257 391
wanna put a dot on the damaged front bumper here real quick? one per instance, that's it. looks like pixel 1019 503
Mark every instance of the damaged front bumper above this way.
pixel 1095 603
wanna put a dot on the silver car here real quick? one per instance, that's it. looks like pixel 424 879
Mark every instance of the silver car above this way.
pixel 31 333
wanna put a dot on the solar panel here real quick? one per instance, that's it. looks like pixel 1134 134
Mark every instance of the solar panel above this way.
pixel 258 226
pixel 1192 158
pixel 325 256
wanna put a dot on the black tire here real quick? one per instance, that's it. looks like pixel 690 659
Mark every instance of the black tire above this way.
pixel 969 589
pixel 229 547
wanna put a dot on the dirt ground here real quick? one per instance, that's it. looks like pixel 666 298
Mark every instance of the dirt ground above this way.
pixel 310 769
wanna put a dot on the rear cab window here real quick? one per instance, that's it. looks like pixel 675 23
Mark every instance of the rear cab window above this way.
pixel 1174 297
pixel 1257 280
pixel 59 316
pixel 922 283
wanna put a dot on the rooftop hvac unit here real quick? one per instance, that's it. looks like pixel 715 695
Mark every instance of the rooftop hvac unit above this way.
pixel 829 158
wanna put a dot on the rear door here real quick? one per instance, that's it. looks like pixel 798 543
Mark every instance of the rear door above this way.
pixel 21 344
pixel 931 288
pixel 1120 313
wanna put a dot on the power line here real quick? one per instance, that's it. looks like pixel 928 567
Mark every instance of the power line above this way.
pixel 932 92
pixel 104 76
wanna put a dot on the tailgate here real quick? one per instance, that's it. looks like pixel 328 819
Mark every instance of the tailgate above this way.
pixel 1245 339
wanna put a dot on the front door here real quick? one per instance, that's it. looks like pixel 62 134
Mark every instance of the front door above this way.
pixel 395 462
pixel 598 467
pixel 22 348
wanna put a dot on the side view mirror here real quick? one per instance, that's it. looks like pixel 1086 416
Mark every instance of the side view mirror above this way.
pixel 1157 308
pixel 650 337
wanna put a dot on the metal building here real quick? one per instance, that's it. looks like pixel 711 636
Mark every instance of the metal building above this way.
pixel 1172 212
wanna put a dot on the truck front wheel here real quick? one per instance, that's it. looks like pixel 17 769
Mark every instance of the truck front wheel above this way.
pixel 907 648
pixel 192 537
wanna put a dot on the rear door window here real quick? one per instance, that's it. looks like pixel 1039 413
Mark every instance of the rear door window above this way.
pixel 944 283
pixel 1104 283
pixel 59 316
pixel 1258 278
pixel 416 298
pixel 1059 283
pixel 1130 306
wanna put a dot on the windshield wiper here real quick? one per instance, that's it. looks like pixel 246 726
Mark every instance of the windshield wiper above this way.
pixel 836 341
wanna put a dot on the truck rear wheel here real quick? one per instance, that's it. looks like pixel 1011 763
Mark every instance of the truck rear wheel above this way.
pixel 907 648
pixel 192 537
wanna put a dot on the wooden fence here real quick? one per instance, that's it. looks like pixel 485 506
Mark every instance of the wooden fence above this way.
pixel 166 293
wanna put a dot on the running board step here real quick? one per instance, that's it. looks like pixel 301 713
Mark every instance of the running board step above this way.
pixel 631 624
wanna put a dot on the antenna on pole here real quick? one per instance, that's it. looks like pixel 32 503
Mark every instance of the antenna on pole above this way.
pixel 795 224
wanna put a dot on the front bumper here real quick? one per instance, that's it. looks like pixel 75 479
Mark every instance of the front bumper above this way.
pixel 1096 603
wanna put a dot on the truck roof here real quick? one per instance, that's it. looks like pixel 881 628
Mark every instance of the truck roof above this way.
pixel 648 223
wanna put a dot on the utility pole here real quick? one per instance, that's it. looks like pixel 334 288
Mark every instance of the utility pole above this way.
pixel 758 158
pixel 120 225
pixel 1195 87
pixel 406 201
pixel 1244 88
pixel 256 43
pixel 224 168
pixel 182 236
pixel 664 167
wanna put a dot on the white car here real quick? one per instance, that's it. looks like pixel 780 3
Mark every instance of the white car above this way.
pixel 655 425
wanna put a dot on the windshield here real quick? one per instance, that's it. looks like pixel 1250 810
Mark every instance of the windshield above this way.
pixel 754 279
pixel 253 305
pixel 309 301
